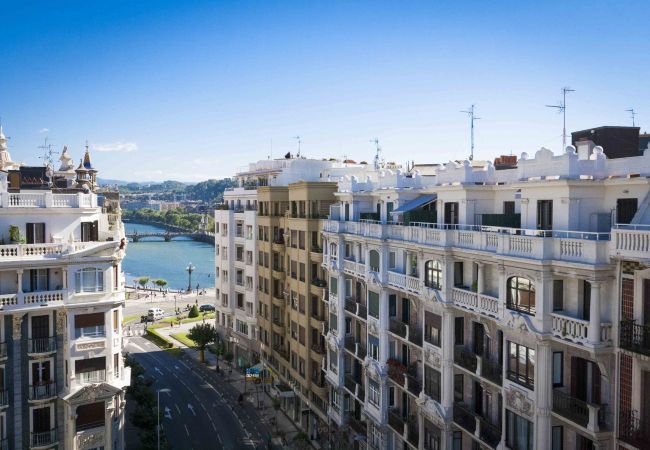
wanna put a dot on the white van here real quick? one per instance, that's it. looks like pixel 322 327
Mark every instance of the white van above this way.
pixel 156 314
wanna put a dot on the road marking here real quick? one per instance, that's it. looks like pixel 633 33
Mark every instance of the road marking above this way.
pixel 186 430
pixel 214 426
pixel 219 439
pixel 191 408
pixel 177 408
pixel 158 370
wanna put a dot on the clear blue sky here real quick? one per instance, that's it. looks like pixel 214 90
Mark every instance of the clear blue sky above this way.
pixel 190 90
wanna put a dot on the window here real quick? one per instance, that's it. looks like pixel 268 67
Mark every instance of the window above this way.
pixel 459 331
pixel 432 274
pixel 89 280
pixel 521 295
pixel 458 274
pixel 583 443
pixel 89 231
pixel 36 233
pixel 373 304
pixel 336 400
pixel 558 295
pixel 373 392
pixel 459 391
pixel 391 260
pixel 519 432
pixel 558 369
pixel 457 440
pixel 334 362
pixel 334 285
pixel 334 322
pixel 432 383
pixel 373 347
pixel 374 260
pixel 557 438
pixel 432 327
pixel 89 325
pixel 521 364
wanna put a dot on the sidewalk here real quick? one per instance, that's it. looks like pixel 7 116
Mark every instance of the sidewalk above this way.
pixel 285 427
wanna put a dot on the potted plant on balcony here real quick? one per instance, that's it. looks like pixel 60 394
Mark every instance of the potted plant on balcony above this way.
pixel 14 235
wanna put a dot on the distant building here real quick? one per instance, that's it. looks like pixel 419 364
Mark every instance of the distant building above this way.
pixel 617 142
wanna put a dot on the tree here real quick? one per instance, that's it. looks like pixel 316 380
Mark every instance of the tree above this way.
pixel 194 312
pixel 160 282
pixel 202 334
pixel 142 281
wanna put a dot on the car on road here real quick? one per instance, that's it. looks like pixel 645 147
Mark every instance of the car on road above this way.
pixel 155 314
pixel 206 308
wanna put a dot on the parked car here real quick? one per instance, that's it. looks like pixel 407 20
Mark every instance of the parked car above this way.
pixel 206 308
pixel 156 314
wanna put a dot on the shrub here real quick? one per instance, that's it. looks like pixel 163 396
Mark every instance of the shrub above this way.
pixel 194 312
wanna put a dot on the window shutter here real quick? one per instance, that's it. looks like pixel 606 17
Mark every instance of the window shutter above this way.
pixel 595 383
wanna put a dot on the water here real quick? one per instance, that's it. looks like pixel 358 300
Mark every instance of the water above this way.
pixel 168 260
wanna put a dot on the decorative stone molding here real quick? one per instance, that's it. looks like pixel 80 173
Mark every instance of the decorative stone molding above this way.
pixel 91 345
pixel 334 307
pixel 373 327
pixel 60 323
pixel 92 439
pixel 521 322
pixel 432 410
pixel 17 320
pixel 92 393
pixel 519 402
pixel 432 357
pixel 374 369
pixel 332 342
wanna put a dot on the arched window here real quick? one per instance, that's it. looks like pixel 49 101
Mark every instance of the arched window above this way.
pixel 374 260
pixel 521 295
pixel 433 274
pixel 89 279
pixel 333 249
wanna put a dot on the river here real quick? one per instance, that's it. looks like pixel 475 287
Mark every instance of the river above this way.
pixel 154 258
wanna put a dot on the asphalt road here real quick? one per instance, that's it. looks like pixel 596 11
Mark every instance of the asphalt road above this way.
pixel 202 410
pixel 139 307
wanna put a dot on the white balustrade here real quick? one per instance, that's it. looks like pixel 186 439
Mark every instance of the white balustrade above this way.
pixel 43 296
pixel 577 330
pixel 631 243
pixel 47 199
pixel 405 282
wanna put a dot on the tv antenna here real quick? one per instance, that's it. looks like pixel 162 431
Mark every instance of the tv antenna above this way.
pixel 377 152
pixel 561 108
pixel 297 138
pixel 633 114
pixel 47 153
pixel 472 117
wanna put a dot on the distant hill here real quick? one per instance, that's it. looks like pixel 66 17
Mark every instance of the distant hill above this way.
pixel 207 191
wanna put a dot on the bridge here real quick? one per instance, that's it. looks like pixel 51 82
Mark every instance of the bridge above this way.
pixel 169 235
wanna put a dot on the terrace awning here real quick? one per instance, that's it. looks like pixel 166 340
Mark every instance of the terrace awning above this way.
pixel 415 203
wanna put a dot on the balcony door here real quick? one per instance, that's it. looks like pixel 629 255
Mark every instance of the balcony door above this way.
pixel 626 209
pixel 645 401
pixel 646 301
pixel 40 327
pixel 585 380
pixel 41 420
pixel 479 339
pixel 41 373
pixel 544 214
pixel 35 233
pixel 405 310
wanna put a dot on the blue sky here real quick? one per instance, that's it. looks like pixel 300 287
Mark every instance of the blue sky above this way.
pixel 194 90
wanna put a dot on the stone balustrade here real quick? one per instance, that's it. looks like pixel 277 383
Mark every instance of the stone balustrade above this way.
pixel 577 330
pixel 47 199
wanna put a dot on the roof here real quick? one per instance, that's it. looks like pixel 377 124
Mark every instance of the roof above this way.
pixel 416 203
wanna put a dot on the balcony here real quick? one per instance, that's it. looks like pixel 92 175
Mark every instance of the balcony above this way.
pixel 318 349
pixel 405 283
pixel 413 384
pixel 43 438
pixel 44 391
pixel 4 398
pixel 577 330
pixel 90 377
pixel 587 415
pixel 632 431
pixel 491 370
pixel 413 430
pixel 630 242
pixel 481 303
pixel 574 246
pixel 465 358
pixel 356 308
pixel 396 421
pixel 488 432
pixel 41 345
pixel 353 384
pixel 396 371
pixel 635 337
pixel 281 351
pixel 398 328
pixel 357 348
pixel 464 417
pixel 354 268
pixel 358 426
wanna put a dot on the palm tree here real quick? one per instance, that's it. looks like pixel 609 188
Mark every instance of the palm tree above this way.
pixel 160 282
pixel 202 334
pixel 142 281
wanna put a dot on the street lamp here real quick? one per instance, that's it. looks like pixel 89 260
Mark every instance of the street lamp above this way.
pixel 158 409
pixel 190 268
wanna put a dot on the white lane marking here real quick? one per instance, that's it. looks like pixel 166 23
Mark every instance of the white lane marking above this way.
pixel 168 413
pixel 191 408
pixel 177 408
pixel 186 430
pixel 219 438
pixel 158 370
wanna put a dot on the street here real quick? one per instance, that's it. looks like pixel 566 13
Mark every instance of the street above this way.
pixel 202 410
pixel 138 307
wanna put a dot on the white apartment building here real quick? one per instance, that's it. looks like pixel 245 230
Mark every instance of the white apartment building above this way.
pixel 62 377
pixel 236 248
pixel 476 308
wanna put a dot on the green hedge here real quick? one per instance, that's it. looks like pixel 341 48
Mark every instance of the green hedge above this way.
pixel 158 339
